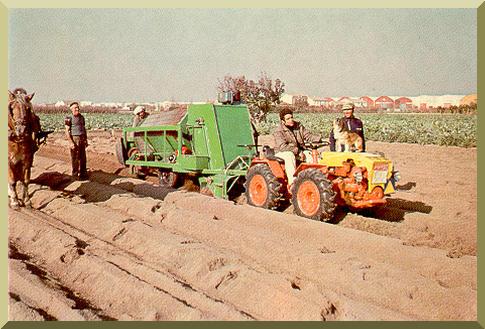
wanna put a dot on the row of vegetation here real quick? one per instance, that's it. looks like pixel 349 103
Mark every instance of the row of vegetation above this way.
pixel 450 130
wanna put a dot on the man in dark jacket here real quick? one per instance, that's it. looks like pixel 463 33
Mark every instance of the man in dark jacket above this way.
pixel 352 123
pixel 78 140
pixel 290 138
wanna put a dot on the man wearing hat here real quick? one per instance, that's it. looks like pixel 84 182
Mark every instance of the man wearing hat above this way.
pixel 78 139
pixel 352 123
pixel 140 115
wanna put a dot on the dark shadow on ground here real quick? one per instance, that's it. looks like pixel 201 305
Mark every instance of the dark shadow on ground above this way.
pixel 53 179
pixel 406 187
pixel 91 191
pixel 115 185
pixel 409 206
pixel 394 210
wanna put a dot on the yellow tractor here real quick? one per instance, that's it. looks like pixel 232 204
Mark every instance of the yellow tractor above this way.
pixel 330 179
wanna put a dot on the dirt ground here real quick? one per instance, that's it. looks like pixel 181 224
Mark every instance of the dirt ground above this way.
pixel 118 248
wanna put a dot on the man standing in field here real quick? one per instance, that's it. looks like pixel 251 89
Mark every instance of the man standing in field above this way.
pixel 352 124
pixel 290 138
pixel 78 139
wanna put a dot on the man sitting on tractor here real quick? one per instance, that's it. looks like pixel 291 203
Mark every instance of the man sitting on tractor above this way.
pixel 290 138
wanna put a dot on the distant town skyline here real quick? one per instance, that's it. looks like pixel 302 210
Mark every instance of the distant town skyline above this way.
pixel 149 55
pixel 365 101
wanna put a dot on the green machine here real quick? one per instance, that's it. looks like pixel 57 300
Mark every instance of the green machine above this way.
pixel 211 143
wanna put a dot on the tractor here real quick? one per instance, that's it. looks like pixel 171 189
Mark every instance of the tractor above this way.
pixel 329 179
pixel 215 146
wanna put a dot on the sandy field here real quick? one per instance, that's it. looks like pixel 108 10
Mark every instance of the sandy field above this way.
pixel 115 247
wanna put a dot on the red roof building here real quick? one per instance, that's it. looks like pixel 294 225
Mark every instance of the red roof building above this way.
pixel 344 99
pixel 403 103
pixel 384 102
pixel 326 101
pixel 367 102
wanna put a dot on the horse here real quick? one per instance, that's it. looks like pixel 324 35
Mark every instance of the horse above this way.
pixel 23 125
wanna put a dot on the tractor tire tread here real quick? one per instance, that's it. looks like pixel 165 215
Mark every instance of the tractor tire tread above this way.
pixel 275 193
pixel 328 205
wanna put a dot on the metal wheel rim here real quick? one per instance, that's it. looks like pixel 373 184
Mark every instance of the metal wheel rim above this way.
pixel 308 197
pixel 258 190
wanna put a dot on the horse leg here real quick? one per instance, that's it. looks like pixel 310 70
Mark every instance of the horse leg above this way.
pixel 12 184
pixel 25 185
pixel 25 196
pixel 12 194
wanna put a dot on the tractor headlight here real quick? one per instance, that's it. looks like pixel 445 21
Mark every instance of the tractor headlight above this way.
pixel 396 175
pixel 358 176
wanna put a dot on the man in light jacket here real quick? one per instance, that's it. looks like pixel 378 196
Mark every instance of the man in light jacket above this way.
pixel 290 138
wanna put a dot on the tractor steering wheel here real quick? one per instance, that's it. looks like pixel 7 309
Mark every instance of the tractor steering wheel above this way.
pixel 315 145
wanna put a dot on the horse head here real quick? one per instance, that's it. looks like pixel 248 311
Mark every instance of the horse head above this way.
pixel 20 114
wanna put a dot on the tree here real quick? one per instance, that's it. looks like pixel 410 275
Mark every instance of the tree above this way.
pixel 259 96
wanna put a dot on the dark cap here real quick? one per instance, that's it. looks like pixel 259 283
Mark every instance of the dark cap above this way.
pixel 73 103
pixel 284 111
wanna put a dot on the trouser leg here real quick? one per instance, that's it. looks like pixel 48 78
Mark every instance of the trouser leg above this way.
pixel 82 160
pixel 75 160
pixel 290 164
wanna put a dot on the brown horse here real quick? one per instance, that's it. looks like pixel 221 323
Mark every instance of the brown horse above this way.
pixel 23 124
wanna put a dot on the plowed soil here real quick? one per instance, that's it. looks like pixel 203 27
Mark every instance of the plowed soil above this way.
pixel 119 248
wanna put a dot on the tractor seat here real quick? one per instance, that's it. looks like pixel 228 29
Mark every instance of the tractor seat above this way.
pixel 280 160
pixel 270 154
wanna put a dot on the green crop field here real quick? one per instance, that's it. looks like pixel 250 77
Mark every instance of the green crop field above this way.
pixel 55 121
pixel 438 129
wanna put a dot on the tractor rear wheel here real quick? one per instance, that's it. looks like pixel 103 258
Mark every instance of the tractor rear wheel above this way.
pixel 313 196
pixel 139 171
pixel 263 189
pixel 120 151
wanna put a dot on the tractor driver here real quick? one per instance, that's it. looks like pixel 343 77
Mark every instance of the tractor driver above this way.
pixel 290 138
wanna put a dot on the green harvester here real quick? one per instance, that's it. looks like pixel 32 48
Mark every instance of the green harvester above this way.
pixel 211 143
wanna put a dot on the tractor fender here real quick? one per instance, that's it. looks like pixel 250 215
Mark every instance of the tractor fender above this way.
pixel 276 168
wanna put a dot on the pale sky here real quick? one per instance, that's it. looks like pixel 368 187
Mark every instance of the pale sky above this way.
pixel 146 55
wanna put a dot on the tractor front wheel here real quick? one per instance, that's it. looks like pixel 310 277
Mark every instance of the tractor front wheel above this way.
pixel 263 189
pixel 313 196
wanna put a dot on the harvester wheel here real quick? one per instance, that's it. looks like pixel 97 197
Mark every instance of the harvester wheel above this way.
pixel 263 188
pixel 139 171
pixel 168 178
pixel 313 196
pixel 120 151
